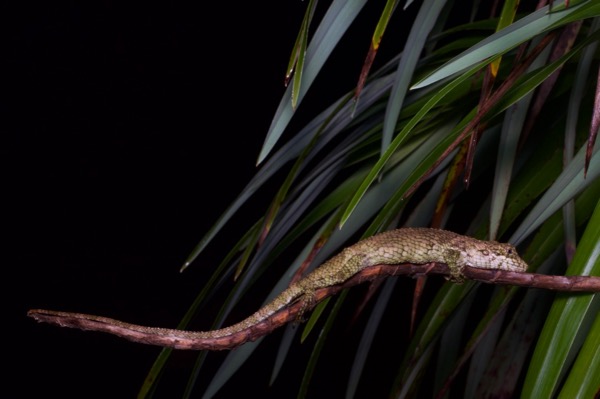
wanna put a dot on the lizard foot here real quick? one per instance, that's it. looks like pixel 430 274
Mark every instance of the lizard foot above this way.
pixel 308 301
pixel 456 275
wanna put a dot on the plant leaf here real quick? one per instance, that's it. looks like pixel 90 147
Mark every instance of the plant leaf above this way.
pixel 336 21
pixel 566 320
pixel 519 32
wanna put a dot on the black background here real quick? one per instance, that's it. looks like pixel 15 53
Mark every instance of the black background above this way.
pixel 127 130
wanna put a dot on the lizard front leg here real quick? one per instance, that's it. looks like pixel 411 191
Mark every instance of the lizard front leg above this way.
pixel 453 257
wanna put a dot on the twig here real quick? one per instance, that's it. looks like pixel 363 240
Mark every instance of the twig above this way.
pixel 179 339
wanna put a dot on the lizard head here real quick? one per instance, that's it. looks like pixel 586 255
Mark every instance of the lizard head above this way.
pixel 494 255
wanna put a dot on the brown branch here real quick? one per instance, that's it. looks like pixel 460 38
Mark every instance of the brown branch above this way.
pixel 188 340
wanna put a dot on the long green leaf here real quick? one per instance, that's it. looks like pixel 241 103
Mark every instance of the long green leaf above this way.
pixel 301 52
pixel 519 32
pixel 401 137
pixel 317 350
pixel 583 381
pixel 336 21
pixel 566 320
pixel 512 126
pixel 570 182
pixel 426 18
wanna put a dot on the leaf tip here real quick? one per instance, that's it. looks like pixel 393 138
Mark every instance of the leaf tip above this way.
pixel 185 266
pixel 261 157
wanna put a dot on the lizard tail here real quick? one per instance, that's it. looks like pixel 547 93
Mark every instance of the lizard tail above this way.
pixel 278 303
pixel 182 339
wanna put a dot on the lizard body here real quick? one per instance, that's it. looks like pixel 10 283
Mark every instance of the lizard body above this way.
pixel 406 245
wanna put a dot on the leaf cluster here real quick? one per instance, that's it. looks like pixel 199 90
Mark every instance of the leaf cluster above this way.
pixel 486 128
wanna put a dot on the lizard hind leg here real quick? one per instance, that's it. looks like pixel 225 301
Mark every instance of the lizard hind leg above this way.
pixel 337 270
pixel 307 302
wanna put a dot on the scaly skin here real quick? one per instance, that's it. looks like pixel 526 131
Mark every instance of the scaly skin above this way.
pixel 407 245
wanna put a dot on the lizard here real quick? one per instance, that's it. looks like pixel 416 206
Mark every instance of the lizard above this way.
pixel 404 245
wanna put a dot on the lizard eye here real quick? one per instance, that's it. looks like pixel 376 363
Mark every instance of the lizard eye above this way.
pixel 510 251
